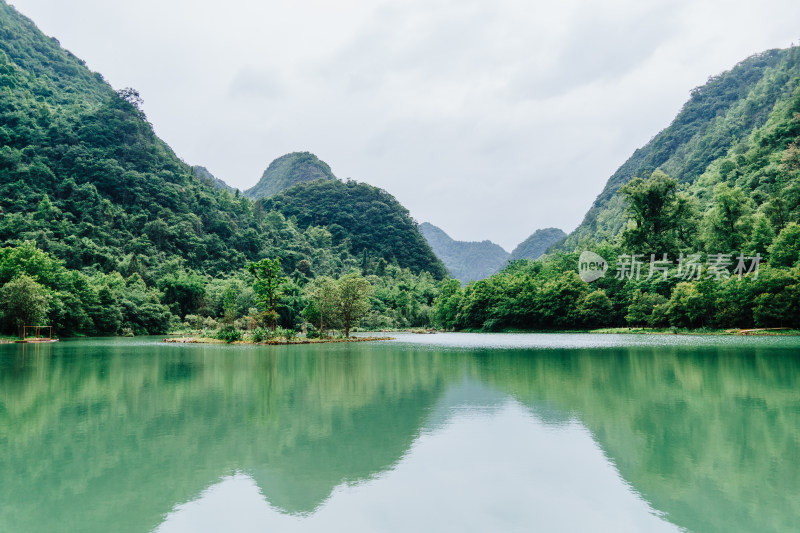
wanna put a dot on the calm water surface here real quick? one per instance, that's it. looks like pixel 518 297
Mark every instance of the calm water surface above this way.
pixel 447 432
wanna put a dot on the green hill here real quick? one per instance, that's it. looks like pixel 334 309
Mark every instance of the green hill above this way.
pixel 735 129
pixel 83 174
pixel 466 261
pixel 368 220
pixel 715 198
pixel 287 171
pixel 537 244
pixel 123 235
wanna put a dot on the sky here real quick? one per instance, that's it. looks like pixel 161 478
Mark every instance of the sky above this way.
pixel 487 118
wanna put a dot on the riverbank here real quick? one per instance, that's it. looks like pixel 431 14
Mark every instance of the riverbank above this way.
pixel 664 331
pixel 273 342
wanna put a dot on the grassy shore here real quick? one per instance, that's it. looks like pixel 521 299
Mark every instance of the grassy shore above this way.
pixel 271 342
pixel 659 331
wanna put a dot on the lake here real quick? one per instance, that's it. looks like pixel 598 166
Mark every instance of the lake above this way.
pixel 446 432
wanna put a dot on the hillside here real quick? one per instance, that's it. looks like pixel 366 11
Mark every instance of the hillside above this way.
pixel 288 171
pixel 715 198
pixel 368 220
pixel 466 261
pixel 114 233
pixel 720 130
pixel 83 174
pixel 204 175
pixel 537 244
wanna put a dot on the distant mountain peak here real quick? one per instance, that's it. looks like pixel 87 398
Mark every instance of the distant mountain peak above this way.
pixel 537 244
pixel 288 171
pixel 466 261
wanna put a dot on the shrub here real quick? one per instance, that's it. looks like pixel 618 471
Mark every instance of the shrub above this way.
pixel 259 335
pixel 228 334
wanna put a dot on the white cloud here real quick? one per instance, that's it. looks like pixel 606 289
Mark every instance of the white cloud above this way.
pixel 489 119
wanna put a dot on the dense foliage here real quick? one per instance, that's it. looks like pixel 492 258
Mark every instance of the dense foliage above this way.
pixel 103 230
pixel 202 174
pixel 369 221
pixel 465 261
pixel 719 186
pixel 669 268
pixel 726 120
pixel 134 239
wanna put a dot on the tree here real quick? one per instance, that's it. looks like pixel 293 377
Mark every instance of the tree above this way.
pixel 353 292
pixel 785 251
pixel 445 306
pixel 25 301
pixel 761 236
pixel 184 291
pixel 267 286
pixel 660 218
pixel 726 226
pixel 322 297
pixel 642 306
pixel 595 310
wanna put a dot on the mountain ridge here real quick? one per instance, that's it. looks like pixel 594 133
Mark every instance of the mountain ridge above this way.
pixel 466 261
pixel 718 119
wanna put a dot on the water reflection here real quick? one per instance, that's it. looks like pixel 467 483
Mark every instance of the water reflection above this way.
pixel 124 433
pixel 497 469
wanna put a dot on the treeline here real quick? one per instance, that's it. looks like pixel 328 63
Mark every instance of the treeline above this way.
pixel 369 221
pixel 735 265
pixel 36 289
pixel 533 295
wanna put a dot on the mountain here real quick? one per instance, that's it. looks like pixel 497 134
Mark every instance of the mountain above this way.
pixel 738 129
pixel 537 244
pixel 83 174
pixel 466 261
pixel 369 221
pixel 287 171
pixel 204 175
pixel 101 218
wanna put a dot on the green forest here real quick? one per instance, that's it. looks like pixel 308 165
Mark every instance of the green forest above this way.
pixel 105 231
pixel 722 181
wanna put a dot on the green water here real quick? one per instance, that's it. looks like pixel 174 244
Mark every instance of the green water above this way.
pixel 448 432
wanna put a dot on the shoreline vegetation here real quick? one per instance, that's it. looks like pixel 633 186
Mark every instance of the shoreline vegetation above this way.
pixel 273 342
pixel 182 338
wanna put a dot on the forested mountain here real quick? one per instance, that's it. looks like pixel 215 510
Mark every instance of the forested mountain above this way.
pixel 466 261
pixel 537 244
pixel 287 171
pixel 112 232
pixel 204 175
pixel 739 128
pixel 699 228
pixel 369 221
pixel 83 174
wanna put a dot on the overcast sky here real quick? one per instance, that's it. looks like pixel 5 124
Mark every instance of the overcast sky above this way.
pixel 488 118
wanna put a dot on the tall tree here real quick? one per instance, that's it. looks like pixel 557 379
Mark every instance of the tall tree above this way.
pixel 660 219
pixel 727 225
pixel 24 300
pixel 322 307
pixel 267 286
pixel 353 293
